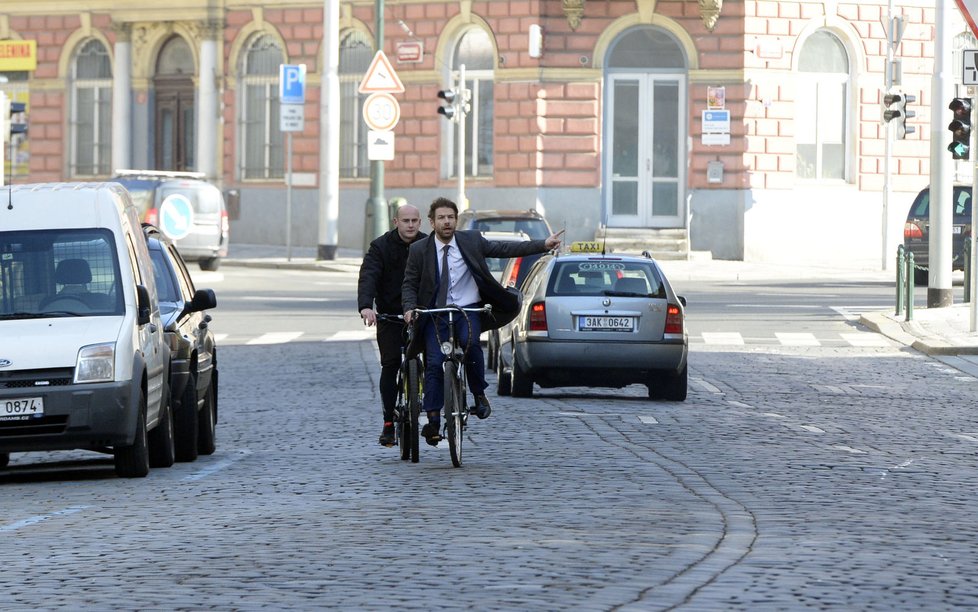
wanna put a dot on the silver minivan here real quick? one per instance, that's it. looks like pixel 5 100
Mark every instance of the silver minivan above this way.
pixel 189 210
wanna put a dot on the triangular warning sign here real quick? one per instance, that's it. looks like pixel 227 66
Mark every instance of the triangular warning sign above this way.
pixel 380 77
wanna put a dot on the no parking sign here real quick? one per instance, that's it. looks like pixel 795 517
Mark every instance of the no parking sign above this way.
pixel 176 216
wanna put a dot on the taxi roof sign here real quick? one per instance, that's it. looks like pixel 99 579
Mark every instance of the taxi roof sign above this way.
pixel 583 246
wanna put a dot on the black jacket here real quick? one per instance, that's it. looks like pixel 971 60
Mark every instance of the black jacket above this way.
pixel 421 276
pixel 382 273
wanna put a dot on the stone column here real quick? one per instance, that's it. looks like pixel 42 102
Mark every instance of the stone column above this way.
pixel 207 102
pixel 122 98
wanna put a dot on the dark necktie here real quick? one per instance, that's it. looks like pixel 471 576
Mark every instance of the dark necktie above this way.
pixel 445 278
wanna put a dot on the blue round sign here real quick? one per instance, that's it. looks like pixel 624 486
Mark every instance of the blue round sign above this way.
pixel 176 216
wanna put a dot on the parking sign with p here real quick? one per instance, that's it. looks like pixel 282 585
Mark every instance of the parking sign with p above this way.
pixel 292 83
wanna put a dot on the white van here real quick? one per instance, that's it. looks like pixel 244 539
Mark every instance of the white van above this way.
pixel 83 360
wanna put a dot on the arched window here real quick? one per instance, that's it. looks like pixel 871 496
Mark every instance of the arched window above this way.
pixel 90 122
pixel 356 53
pixel 262 156
pixel 821 109
pixel 476 52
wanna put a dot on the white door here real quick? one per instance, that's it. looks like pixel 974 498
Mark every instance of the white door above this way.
pixel 645 144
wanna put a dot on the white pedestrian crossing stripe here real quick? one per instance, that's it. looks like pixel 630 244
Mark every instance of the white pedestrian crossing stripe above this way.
pixel 797 339
pixel 723 338
pixel 352 336
pixel 275 338
pixel 863 339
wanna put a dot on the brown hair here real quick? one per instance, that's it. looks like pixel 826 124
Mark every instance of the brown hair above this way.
pixel 441 203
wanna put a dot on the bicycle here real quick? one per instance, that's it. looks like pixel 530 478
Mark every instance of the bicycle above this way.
pixel 407 406
pixel 456 407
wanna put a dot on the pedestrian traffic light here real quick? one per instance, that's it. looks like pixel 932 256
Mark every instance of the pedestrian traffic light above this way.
pixel 450 96
pixel 895 110
pixel 17 109
pixel 960 127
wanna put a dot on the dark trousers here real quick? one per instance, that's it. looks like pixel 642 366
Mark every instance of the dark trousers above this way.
pixel 390 336
pixel 475 360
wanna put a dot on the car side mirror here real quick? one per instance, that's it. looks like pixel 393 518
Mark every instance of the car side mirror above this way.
pixel 204 299
pixel 143 308
pixel 682 300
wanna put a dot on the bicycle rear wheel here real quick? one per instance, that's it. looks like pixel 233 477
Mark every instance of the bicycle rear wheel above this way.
pixel 453 413
pixel 402 417
pixel 413 409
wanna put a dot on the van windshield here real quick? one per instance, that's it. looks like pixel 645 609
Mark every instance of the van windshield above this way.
pixel 59 273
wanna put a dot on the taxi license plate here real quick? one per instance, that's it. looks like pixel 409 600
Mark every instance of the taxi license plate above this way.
pixel 21 408
pixel 589 323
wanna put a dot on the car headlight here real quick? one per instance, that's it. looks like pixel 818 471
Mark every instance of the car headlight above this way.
pixel 96 363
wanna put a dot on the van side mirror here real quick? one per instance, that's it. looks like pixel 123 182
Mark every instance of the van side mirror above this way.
pixel 143 308
pixel 232 199
pixel 682 300
pixel 204 299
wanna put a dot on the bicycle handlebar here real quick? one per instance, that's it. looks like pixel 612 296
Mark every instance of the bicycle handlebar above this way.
pixel 453 307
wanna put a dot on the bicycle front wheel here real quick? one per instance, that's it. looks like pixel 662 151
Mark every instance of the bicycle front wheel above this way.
pixel 413 409
pixel 453 413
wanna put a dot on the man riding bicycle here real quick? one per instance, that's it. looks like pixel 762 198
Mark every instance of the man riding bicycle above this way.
pixel 449 267
pixel 381 275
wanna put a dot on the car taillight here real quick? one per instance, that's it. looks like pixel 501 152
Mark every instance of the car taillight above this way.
pixel 674 319
pixel 514 273
pixel 538 317
pixel 153 216
pixel 225 225
pixel 912 230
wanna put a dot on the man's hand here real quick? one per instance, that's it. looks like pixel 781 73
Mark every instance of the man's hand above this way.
pixel 553 242
pixel 408 315
pixel 369 317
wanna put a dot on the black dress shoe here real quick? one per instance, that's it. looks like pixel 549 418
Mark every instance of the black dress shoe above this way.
pixel 482 409
pixel 387 436
pixel 430 433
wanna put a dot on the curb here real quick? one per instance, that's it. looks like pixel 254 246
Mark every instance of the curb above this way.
pixel 919 339
pixel 282 264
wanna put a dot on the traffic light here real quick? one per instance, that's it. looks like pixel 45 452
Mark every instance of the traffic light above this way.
pixel 17 108
pixel 450 110
pixel 895 109
pixel 960 127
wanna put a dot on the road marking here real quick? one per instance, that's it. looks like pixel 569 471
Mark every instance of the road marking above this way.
pixel 812 429
pixel 352 336
pixel 218 466
pixel 964 437
pixel 849 449
pixel 33 520
pixel 275 338
pixel 285 298
pixel 797 339
pixel 864 339
pixel 773 415
pixel 220 337
pixel 648 420
pixel 722 338
pixel 707 386
pixel 739 404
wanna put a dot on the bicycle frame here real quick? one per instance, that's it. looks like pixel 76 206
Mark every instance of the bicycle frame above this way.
pixel 407 406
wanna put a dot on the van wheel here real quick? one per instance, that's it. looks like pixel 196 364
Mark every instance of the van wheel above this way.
pixel 210 264
pixel 4 459
pixel 133 461
pixel 161 446
pixel 185 422
pixel 206 422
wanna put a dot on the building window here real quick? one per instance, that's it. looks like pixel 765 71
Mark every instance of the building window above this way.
pixel 90 131
pixel 821 107
pixel 476 52
pixel 356 53
pixel 262 155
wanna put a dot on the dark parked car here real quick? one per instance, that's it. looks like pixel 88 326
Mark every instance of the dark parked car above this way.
pixel 193 351
pixel 528 222
pixel 203 237
pixel 916 229
pixel 512 275
pixel 597 321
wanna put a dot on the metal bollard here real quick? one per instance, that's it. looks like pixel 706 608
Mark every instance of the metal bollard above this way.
pixel 967 270
pixel 910 269
pixel 900 275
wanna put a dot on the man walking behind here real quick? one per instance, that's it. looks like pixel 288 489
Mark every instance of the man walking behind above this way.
pixel 381 276
pixel 449 267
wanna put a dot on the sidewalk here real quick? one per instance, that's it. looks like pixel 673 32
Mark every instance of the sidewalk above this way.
pixel 934 331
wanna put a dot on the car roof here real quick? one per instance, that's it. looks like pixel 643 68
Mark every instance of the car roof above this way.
pixel 505 236
pixel 159 175
pixel 501 214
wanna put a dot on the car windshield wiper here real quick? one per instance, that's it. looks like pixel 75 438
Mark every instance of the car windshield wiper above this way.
pixel 37 315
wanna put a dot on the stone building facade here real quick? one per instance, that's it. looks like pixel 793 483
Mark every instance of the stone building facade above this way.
pixel 749 129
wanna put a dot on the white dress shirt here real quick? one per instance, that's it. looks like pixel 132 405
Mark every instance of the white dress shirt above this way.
pixel 462 290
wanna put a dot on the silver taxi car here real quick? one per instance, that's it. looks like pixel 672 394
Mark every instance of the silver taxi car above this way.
pixel 596 320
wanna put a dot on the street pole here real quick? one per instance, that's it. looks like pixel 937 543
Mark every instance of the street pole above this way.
pixel 376 222
pixel 460 154
pixel 329 134
pixel 892 39
pixel 288 197
pixel 939 293
pixel 973 307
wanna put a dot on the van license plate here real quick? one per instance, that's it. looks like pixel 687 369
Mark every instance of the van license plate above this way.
pixel 587 323
pixel 21 408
